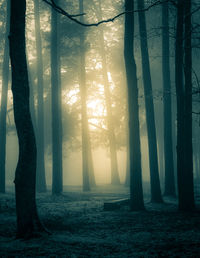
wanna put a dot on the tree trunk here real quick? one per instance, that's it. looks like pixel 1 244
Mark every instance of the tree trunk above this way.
pixel 84 118
pixel 180 99
pixel 136 192
pixel 188 203
pixel 150 119
pixel 40 178
pixel 32 97
pixel 91 165
pixel 3 111
pixel 56 104
pixel 127 178
pixel 25 175
pixel 184 108
pixel 168 143
pixel 161 155
pixel 115 180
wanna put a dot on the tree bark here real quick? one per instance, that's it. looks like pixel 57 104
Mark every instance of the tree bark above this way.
pixel 56 104
pixel 168 143
pixel 32 97
pixel 180 98
pixel 184 107
pixel 150 119
pixel 40 176
pixel 25 175
pixel 3 111
pixel 188 203
pixel 136 192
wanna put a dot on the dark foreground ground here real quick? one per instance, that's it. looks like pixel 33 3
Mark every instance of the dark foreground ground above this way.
pixel 81 228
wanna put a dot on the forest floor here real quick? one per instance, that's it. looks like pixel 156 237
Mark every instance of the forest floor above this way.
pixel 81 228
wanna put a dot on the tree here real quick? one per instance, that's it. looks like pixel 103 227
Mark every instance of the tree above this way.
pixel 184 107
pixel 3 111
pixel 168 144
pixel 136 192
pixel 25 176
pixel 32 97
pixel 189 202
pixel 41 181
pixel 84 119
pixel 91 165
pixel 151 129
pixel 111 134
pixel 56 107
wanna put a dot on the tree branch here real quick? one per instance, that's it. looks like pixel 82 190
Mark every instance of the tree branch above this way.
pixel 72 17
pixel 196 113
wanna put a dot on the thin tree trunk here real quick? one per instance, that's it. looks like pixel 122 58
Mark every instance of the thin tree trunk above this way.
pixel 161 156
pixel 91 164
pixel 111 134
pixel 180 100
pixel 174 137
pixel 127 178
pixel 151 129
pixel 84 118
pixel 3 111
pixel 87 160
pixel 25 176
pixel 188 202
pixel 40 178
pixel 57 184
pixel 168 143
pixel 136 192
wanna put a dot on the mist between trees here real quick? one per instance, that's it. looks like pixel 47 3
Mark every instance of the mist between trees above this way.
pixel 113 104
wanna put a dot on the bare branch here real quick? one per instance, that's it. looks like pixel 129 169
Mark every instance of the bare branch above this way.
pixel 61 11
pixel 72 17
pixel 99 127
pixel 196 113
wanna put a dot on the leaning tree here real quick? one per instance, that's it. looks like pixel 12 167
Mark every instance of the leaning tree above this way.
pixel 25 176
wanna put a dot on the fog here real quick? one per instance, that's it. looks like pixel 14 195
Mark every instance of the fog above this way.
pixel 104 71
pixel 72 164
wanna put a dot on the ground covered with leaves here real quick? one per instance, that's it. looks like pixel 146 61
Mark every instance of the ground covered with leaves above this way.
pixel 80 227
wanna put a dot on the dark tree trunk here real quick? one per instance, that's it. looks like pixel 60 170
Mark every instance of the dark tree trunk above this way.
pixel 115 180
pixel 56 104
pixel 161 155
pixel 25 176
pixel 84 118
pixel 184 108
pixel 188 202
pixel 196 152
pixel 127 178
pixel 3 110
pixel 174 137
pixel 168 143
pixel 32 98
pixel 136 192
pixel 40 178
pixel 180 98
pixel 150 119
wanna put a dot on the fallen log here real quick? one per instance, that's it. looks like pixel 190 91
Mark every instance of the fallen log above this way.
pixel 115 204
